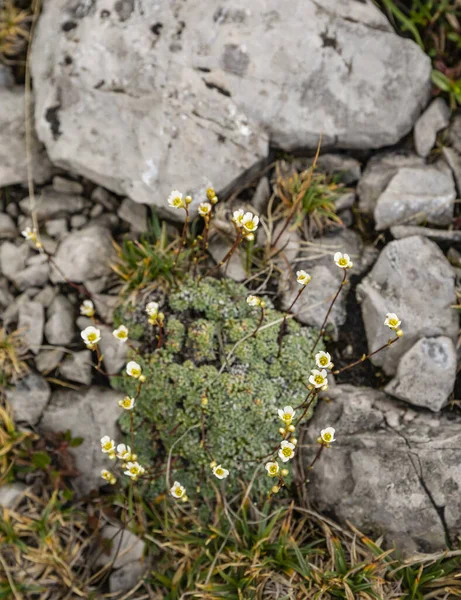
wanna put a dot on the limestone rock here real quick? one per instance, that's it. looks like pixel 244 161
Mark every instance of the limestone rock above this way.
pixel 7 226
pixel 59 328
pixel 47 360
pixel 426 374
pixel 84 254
pixel 412 278
pixel 312 305
pixel 10 493
pixel 234 81
pixel 416 195
pixel 134 214
pixel 31 320
pixel 125 547
pixel 433 119
pixel 392 471
pixel 437 235
pixel 13 155
pixel 52 204
pixel 29 398
pixel 378 173
pixel 89 414
pixel 78 367
pixel 13 259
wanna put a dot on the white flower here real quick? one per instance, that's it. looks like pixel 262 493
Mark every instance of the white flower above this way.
pixel 127 403
pixel 175 200
pixel 124 452
pixel 323 360
pixel 343 261
pixel 287 414
pixel 121 333
pixel 133 369
pixel 327 435
pixel 108 476
pixel 237 217
pixel 250 222
pixel 107 445
pixel 134 470
pixel 253 300
pixel 272 469
pixel 220 472
pixel 87 308
pixel 91 336
pixel 302 277
pixel 152 309
pixel 177 490
pixel 392 321
pixel 319 379
pixel 204 209
pixel 287 451
pixel 30 234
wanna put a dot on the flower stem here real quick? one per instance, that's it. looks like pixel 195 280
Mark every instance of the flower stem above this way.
pixel 261 319
pixel 183 237
pixel 234 246
pixel 283 324
pixel 316 458
pixel 322 328
pixel 367 356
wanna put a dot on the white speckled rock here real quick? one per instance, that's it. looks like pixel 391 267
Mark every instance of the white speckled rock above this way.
pixel 28 398
pixel 141 98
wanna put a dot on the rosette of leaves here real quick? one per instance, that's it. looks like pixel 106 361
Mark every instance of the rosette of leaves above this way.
pixel 209 353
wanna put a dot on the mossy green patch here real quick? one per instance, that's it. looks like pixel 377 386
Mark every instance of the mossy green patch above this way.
pixel 209 353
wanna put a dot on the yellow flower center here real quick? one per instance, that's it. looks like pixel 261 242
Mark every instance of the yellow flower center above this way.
pixel 177 201
pixel 219 472
pixel 126 403
pixel 121 334
pixel 286 451
pixel 178 491
pixel 327 437
pixel 287 418
pixel 92 337
pixel 273 470
pixel 393 322
pixel 249 225
pixel 342 261
pixel 136 372
pixel 318 379
pixel 323 360
pixel 107 446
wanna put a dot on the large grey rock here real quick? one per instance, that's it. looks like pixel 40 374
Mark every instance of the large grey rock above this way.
pixel 52 204
pixel 90 414
pixel 433 119
pixel 412 278
pixel 47 360
pixel 453 159
pixel 10 493
pixel 13 153
pixel 67 186
pixel 454 133
pixel 426 374
pixel 234 268
pixel 31 320
pixel 78 367
pixel 125 548
pixel 417 195
pixel 84 255
pixel 378 173
pixel 59 328
pixel 313 304
pixel 393 470
pixel 29 398
pixel 6 77
pixel 233 79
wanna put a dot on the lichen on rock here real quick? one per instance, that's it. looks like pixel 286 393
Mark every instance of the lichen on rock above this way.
pixel 208 325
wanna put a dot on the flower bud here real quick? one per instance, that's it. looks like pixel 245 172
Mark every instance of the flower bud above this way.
pixel 142 378
pixel 282 431
pixel 188 199
pixel 213 464
pixel 284 472
pixel 275 489
pixel 293 441
pixel 291 428
pixel 399 333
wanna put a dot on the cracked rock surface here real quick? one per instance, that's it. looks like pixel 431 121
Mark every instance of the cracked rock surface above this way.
pixel 192 77
pixel 393 470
